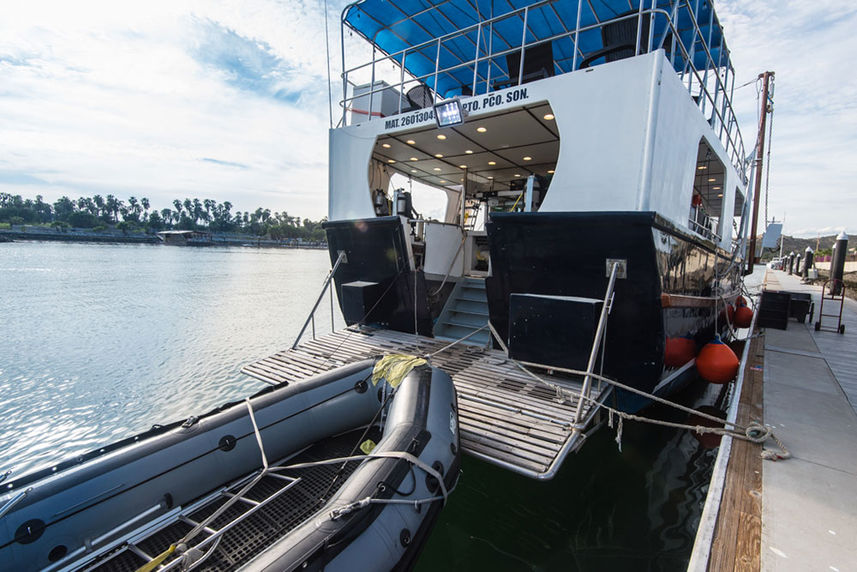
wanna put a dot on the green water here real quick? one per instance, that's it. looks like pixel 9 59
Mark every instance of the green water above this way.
pixel 101 341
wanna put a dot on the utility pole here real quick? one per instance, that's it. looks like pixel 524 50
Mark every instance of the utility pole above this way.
pixel 767 78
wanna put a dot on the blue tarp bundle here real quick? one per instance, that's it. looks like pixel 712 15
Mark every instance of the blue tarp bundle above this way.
pixel 416 24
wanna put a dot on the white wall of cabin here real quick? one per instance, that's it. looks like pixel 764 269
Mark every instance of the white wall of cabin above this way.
pixel 608 117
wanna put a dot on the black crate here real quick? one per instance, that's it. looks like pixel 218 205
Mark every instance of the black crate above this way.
pixel 774 310
pixel 358 299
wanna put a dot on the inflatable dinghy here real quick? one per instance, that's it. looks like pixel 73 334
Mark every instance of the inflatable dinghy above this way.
pixel 332 473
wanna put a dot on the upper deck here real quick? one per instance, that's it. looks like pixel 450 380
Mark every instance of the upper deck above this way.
pixel 423 52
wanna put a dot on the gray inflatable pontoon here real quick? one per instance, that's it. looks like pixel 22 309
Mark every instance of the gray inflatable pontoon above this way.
pixel 276 482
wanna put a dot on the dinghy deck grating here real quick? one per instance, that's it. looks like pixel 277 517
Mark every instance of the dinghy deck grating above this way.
pixel 258 531
pixel 505 416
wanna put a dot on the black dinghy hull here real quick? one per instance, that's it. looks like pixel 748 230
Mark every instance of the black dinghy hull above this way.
pixel 107 510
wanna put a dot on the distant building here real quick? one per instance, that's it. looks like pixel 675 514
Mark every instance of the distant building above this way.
pixel 186 237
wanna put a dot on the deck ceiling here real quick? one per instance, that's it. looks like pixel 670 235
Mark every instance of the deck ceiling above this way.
pixel 508 138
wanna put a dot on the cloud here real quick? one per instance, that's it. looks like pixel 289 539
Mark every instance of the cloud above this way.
pixel 815 105
pixel 18 178
pixel 225 163
pixel 166 100
pixel 246 63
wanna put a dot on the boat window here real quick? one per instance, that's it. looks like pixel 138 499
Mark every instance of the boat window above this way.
pixel 489 159
pixel 706 204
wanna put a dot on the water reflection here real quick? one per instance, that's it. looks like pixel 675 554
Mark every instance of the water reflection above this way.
pixel 103 341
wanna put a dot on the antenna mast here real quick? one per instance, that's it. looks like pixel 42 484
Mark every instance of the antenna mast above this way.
pixel 767 109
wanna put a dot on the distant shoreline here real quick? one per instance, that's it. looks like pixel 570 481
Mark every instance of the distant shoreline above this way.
pixel 75 235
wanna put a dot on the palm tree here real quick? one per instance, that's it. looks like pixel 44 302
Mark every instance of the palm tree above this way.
pixel 99 204
pixel 110 208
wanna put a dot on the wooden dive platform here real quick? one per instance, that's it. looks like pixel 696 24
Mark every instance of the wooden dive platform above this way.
pixel 505 416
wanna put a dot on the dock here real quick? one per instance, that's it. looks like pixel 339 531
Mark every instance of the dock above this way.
pixel 506 417
pixel 799 513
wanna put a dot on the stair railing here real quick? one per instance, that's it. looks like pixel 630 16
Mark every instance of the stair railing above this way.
pixel 342 258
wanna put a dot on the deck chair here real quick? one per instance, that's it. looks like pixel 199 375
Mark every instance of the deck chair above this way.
pixel 538 64
pixel 619 40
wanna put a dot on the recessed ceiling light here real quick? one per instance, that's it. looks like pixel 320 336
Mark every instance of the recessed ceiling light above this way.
pixel 469 151
pixel 411 142
pixel 437 168
pixel 481 129
pixel 550 171
pixel 438 155
pixel 720 196
pixel 716 188
pixel 442 181
pixel 701 167
pixel 517 174
pixel 528 158
pixel 414 159
pixel 462 166
pixel 413 170
pixel 462 180
pixel 441 136
pixel 490 177
pixel 385 145
pixel 711 180
pixel 390 161
pixel 548 116
pixel 492 162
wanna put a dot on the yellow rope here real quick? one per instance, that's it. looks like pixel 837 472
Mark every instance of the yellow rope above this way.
pixel 157 560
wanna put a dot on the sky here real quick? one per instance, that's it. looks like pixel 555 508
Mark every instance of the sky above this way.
pixel 228 100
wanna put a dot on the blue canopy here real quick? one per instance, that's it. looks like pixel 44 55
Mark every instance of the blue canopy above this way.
pixel 415 26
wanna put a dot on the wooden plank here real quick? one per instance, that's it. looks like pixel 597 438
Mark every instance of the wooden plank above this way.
pixel 512 446
pixel 541 429
pixel 738 534
pixel 494 453
pixel 556 411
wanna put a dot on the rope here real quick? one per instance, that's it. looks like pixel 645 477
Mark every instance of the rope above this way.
pixel 754 432
pixel 456 342
pixel 193 557
pixel 451 264
pixel 181 547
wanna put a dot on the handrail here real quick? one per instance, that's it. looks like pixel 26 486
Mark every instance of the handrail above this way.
pixel 714 100
pixel 599 337
pixel 311 318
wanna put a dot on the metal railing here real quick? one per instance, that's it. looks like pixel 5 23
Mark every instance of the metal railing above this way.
pixel 711 85
pixel 342 258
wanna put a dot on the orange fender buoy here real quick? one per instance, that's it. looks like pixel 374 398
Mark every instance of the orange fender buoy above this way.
pixel 679 351
pixel 743 317
pixel 727 314
pixel 716 362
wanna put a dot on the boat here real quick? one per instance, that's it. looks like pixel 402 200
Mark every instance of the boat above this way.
pixel 186 237
pixel 361 460
pixel 589 157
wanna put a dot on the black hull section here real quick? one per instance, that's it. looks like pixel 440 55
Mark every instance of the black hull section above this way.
pixel 566 254
pixel 377 253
